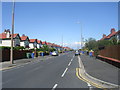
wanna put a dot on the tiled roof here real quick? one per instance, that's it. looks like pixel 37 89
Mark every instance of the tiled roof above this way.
pixel 24 37
pixel 44 42
pixel 110 35
pixel 39 41
pixel 32 40
pixel 2 35
pixel 14 35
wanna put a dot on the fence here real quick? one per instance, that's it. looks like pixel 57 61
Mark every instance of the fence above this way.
pixel 17 54
pixel 111 51
pixel 111 55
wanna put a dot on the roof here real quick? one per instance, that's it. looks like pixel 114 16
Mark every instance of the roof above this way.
pixel 39 41
pixel 48 43
pixel 44 42
pixel 14 35
pixel 33 40
pixel 24 37
pixel 110 35
pixel 3 35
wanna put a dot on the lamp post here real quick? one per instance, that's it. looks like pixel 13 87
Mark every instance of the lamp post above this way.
pixel 12 33
pixel 81 33
pixel 62 43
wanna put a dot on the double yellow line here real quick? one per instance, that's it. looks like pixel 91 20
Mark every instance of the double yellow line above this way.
pixel 7 68
pixel 78 74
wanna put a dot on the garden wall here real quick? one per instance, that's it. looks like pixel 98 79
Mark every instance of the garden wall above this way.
pixel 17 54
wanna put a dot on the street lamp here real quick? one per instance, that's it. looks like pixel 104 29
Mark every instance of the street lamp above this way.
pixel 81 32
pixel 12 33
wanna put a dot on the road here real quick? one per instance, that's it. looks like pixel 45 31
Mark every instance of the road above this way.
pixel 57 72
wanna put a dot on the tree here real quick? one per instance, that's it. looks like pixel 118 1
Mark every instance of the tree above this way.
pixel 90 44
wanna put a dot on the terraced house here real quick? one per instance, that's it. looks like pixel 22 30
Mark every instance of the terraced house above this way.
pixel 24 41
pixel 112 34
pixel 6 39
pixel 39 43
pixel 33 43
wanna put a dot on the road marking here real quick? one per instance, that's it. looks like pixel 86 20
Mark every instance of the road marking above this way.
pixel 86 80
pixel 72 58
pixel 64 72
pixel 69 63
pixel 54 86
pixel 88 85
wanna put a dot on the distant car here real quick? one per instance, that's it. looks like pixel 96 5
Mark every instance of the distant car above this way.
pixel 77 53
pixel 55 53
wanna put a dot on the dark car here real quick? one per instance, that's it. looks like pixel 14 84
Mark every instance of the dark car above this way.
pixel 77 53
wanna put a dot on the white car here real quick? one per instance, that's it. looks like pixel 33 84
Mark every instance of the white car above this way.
pixel 77 53
pixel 55 53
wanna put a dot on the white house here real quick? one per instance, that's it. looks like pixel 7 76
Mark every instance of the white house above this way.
pixel 6 39
pixel 33 43
pixel 24 41
pixel 39 43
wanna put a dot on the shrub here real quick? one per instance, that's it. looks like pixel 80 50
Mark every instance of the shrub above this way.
pixel 4 47
pixel 19 48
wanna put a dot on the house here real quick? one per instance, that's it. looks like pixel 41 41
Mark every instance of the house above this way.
pixel 24 41
pixel 112 34
pixel 39 43
pixel 50 45
pixel 6 39
pixel 44 43
pixel 33 43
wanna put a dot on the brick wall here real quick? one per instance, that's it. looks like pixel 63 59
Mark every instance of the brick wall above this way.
pixel 17 54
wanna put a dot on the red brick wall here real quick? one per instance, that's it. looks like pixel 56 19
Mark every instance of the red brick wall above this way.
pixel 111 51
pixel 17 54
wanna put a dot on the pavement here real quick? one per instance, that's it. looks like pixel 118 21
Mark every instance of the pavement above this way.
pixel 100 69
pixel 7 65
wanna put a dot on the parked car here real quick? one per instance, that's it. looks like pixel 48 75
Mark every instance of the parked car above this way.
pixel 77 53
pixel 55 53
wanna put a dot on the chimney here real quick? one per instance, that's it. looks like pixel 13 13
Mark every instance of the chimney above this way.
pixel 7 33
pixel 104 35
pixel 112 30
pixel 23 35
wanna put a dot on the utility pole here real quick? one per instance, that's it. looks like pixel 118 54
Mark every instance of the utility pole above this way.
pixel 81 36
pixel 80 32
pixel 12 33
pixel 62 43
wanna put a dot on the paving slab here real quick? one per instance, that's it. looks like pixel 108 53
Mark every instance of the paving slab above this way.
pixel 100 69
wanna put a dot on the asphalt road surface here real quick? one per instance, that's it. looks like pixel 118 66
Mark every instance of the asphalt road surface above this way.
pixel 57 72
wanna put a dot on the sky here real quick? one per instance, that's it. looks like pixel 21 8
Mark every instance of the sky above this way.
pixel 58 21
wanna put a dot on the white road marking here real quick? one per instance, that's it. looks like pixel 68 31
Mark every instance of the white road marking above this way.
pixel 64 72
pixel 88 84
pixel 69 63
pixel 54 86
pixel 72 58
pixel 90 87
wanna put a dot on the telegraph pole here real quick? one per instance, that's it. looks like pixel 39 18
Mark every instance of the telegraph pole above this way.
pixel 62 43
pixel 81 36
pixel 81 32
pixel 12 33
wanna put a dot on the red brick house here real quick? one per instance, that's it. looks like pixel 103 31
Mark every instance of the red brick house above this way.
pixel 112 34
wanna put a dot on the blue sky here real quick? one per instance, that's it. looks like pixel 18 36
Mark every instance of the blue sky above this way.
pixel 49 21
